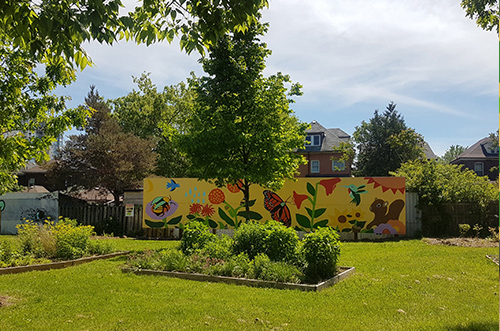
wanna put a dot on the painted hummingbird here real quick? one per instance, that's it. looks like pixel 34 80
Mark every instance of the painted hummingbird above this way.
pixel 354 192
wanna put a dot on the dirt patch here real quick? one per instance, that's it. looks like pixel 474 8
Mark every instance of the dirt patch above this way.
pixel 6 301
pixel 462 242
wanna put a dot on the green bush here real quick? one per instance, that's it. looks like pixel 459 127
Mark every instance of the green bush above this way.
pixel 172 260
pixel 219 248
pixel 261 262
pixel 250 238
pixel 321 250
pixel 6 251
pixel 281 272
pixel 99 247
pixel 195 236
pixel 71 241
pixel 280 242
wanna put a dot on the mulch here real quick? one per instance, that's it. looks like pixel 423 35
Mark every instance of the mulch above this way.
pixel 462 242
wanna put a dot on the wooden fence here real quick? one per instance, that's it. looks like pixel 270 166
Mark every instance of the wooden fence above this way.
pixel 444 220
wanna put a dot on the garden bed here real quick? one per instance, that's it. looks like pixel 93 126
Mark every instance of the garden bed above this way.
pixel 58 265
pixel 343 273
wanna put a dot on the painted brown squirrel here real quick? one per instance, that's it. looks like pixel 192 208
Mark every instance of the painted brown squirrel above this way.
pixel 379 208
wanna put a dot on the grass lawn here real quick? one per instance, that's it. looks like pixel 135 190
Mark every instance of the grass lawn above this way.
pixel 405 285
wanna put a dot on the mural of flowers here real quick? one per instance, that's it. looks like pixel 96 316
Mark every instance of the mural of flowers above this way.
pixel 195 208
pixel 207 210
pixel 159 209
pixel 216 196
pixel 202 213
pixel 329 184
pixel 308 221
pixel 351 221
pixel 385 228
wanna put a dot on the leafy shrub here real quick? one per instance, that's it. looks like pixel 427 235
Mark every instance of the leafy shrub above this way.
pixel 99 247
pixel 195 236
pixel 463 229
pixel 6 251
pixel 280 241
pixel 173 260
pixel 281 272
pixel 147 259
pixel 321 251
pixel 219 248
pixel 250 238
pixel 71 241
pixel 261 262
pixel 30 239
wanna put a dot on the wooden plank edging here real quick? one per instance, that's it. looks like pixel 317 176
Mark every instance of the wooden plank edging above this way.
pixel 344 273
pixel 58 265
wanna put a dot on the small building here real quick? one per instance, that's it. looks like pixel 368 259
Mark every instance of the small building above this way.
pixel 319 153
pixel 482 158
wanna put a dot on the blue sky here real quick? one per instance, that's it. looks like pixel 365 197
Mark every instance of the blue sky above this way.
pixel 352 57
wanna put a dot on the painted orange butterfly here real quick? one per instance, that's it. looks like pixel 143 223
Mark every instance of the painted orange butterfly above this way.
pixel 277 207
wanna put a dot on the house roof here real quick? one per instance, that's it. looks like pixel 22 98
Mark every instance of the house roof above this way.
pixel 429 153
pixel 330 137
pixel 483 149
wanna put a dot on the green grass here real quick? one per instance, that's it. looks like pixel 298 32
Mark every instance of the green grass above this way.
pixel 437 287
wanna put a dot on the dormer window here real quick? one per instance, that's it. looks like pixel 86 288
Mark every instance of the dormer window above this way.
pixel 314 139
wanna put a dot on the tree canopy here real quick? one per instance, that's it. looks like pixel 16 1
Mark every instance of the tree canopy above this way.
pixel 160 116
pixel 384 143
pixel 451 153
pixel 438 183
pixel 104 156
pixel 242 127
pixel 485 12
pixel 41 47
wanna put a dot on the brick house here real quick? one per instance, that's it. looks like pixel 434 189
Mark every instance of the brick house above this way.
pixel 481 158
pixel 319 153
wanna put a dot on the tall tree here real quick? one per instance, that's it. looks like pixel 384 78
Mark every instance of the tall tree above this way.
pixel 451 154
pixel 242 127
pixel 50 34
pixel 485 12
pixel 160 116
pixel 104 156
pixel 384 143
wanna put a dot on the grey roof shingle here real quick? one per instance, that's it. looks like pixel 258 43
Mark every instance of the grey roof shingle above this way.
pixel 330 137
pixel 483 149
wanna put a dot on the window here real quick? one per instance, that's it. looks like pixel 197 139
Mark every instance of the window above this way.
pixel 314 166
pixel 479 168
pixel 315 140
pixel 338 165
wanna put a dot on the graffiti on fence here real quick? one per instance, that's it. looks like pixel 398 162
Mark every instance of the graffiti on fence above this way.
pixel 359 205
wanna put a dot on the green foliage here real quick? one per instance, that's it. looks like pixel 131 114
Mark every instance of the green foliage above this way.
pixel 48 35
pixel 384 143
pixel 195 236
pixel 250 238
pixel 477 228
pixel 451 154
pixel 242 127
pixel 463 229
pixel 104 156
pixel 485 12
pixel 160 116
pixel 64 240
pixel 441 183
pixel 281 242
pixel 321 251
pixel 220 248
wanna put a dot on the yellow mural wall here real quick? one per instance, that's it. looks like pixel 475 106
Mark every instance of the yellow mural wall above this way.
pixel 360 205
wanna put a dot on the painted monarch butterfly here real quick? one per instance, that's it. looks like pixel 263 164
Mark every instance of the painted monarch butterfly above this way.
pixel 277 207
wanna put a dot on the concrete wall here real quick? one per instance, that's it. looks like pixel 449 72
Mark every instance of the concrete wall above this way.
pixel 19 207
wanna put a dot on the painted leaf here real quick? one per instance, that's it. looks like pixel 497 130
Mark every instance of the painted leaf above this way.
pixel 309 211
pixel 361 224
pixel 321 224
pixel 175 220
pixel 303 220
pixel 152 224
pixel 252 215
pixel 346 230
pixel 212 224
pixel 191 217
pixel 252 202
pixel 311 189
pixel 319 212
pixel 226 218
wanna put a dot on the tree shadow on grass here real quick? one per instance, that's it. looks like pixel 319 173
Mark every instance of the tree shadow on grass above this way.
pixel 474 326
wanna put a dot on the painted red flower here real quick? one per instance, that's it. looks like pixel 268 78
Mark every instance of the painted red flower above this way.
pixel 298 199
pixel 195 208
pixel 330 184
pixel 207 210
pixel 216 196
pixel 233 188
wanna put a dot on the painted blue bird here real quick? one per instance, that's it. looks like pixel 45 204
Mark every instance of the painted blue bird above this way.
pixel 172 185
pixel 354 192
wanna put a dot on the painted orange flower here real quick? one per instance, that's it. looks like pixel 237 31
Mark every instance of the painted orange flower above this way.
pixel 330 184
pixel 195 208
pixel 216 196
pixel 298 199
pixel 207 210
pixel 233 188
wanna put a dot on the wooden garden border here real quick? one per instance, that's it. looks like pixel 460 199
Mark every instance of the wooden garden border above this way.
pixel 58 265
pixel 343 273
